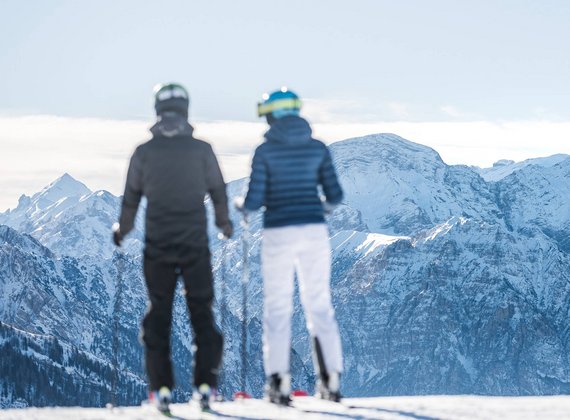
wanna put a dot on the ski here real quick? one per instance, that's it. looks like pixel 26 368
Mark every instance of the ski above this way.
pixel 315 405
pixel 210 414
pixel 162 413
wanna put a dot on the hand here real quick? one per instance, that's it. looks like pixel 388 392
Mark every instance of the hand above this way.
pixel 117 235
pixel 238 204
pixel 227 230
pixel 328 207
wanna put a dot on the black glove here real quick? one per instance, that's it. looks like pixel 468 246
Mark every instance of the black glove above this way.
pixel 227 230
pixel 117 235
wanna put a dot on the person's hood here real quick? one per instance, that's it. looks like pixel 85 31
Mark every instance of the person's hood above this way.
pixel 291 129
pixel 171 124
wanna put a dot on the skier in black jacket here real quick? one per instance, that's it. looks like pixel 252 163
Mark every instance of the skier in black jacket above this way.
pixel 175 171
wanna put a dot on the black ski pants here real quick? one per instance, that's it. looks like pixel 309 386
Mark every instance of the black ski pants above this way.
pixel 161 278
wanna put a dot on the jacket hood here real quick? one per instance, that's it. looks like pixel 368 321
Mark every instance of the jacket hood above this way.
pixel 171 124
pixel 291 129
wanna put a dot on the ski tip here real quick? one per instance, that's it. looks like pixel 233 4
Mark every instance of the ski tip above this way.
pixel 299 393
pixel 241 395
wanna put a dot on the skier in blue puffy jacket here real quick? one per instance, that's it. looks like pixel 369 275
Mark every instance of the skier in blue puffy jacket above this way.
pixel 288 171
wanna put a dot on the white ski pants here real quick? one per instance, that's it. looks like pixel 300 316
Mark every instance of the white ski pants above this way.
pixel 304 249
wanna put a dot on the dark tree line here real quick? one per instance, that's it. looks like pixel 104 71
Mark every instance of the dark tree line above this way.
pixel 42 372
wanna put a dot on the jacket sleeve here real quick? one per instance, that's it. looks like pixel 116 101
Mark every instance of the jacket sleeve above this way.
pixel 255 197
pixel 329 181
pixel 216 188
pixel 133 193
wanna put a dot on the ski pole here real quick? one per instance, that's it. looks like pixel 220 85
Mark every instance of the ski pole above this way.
pixel 223 303
pixel 223 296
pixel 244 281
pixel 116 307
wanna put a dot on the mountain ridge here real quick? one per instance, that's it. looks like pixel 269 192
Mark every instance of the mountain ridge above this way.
pixel 443 282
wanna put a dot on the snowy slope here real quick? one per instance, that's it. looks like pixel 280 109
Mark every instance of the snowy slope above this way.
pixel 388 408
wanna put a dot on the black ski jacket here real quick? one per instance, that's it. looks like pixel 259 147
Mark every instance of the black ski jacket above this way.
pixel 174 171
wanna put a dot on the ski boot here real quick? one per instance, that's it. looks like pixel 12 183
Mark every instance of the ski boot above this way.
pixel 161 400
pixel 277 388
pixel 202 396
pixel 328 387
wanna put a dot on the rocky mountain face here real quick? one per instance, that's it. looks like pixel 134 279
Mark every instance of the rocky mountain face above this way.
pixel 446 279
pixel 69 218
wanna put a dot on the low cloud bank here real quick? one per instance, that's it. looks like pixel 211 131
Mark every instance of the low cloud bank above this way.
pixel 37 149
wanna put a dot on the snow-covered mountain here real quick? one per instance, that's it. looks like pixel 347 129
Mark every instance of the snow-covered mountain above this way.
pixel 70 219
pixel 446 279
pixel 394 186
pixel 504 167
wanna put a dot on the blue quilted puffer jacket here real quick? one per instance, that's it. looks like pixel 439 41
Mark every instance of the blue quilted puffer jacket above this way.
pixel 287 170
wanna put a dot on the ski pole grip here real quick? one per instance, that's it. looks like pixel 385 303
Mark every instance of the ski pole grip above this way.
pixel 245 222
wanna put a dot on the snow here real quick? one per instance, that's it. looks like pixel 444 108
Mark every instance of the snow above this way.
pixel 63 187
pixel 363 243
pixel 442 229
pixel 374 241
pixel 71 220
pixel 388 408
pixel 504 168
pixel 467 364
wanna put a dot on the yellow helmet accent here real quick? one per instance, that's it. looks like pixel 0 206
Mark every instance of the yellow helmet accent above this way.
pixel 269 107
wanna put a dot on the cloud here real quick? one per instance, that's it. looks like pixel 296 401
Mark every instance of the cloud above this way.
pixel 451 111
pixel 399 110
pixel 478 143
pixel 38 149
pixel 332 111
pixel 231 137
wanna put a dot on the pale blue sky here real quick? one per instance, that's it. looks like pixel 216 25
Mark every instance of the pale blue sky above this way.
pixel 483 59
pixel 477 80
